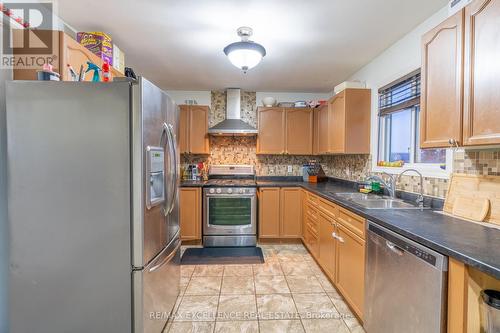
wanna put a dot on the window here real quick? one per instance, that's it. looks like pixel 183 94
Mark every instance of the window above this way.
pixel 399 115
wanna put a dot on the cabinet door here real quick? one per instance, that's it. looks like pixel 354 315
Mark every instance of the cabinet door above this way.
pixel 350 277
pixel 337 124
pixel 316 131
pixel 198 129
pixel 184 129
pixel 327 245
pixel 271 137
pixel 76 55
pixel 441 89
pixel 323 133
pixel 269 212
pixel 299 131
pixel 190 213
pixel 482 73
pixel 291 222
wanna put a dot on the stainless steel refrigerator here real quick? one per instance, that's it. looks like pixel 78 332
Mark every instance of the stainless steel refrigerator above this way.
pixel 93 176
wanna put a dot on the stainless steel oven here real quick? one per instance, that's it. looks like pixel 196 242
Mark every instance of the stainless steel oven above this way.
pixel 229 216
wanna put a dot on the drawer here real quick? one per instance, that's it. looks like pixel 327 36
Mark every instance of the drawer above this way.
pixel 327 207
pixel 312 199
pixel 313 224
pixel 311 211
pixel 312 242
pixel 351 221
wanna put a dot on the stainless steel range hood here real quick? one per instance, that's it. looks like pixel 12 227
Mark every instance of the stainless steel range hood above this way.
pixel 233 125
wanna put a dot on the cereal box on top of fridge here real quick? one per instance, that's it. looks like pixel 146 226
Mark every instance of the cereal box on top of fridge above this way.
pixel 98 43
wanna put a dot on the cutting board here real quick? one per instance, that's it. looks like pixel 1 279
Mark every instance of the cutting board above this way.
pixel 474 197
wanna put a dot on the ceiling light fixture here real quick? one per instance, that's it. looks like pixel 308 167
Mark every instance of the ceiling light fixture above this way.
pixel 245 54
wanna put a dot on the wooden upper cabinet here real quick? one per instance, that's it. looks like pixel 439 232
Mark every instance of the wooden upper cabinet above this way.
pixel 337 128
pixel 69 52
pixel 291 212
pixel 269 212
pixel 315 131
pixel 442 82
pixel 299 131
pixel 482 73
pixel 322 128
pixel 198 131
pixel 344 126
pixel 184 129
pixel 190 213
pixel 76 55
pixel 271 137
pixel 193 129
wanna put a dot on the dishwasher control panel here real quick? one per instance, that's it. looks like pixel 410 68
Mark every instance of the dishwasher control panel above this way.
pixel 406 246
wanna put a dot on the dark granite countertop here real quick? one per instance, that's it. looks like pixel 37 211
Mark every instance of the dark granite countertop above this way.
pixel 193 183
pixel 470 243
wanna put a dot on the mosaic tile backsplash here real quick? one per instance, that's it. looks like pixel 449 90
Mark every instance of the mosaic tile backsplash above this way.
pixel 242 150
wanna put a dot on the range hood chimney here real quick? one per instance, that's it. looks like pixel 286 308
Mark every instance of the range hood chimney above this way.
pixel 233 125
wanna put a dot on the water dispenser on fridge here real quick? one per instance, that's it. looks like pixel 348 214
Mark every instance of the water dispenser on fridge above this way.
pixel 155 168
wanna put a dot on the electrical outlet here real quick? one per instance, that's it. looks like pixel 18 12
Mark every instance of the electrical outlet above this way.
pixel 290 170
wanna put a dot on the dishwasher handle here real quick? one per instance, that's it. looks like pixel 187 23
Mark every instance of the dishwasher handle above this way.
pixel 394 248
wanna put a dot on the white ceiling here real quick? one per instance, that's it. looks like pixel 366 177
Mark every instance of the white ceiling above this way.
pixel 311 45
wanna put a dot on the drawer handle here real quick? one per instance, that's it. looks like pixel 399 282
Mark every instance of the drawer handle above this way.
pixel 337 237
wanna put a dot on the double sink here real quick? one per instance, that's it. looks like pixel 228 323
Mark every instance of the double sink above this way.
pixel 371 201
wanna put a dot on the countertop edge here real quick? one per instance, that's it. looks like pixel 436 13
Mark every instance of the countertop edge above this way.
pixel 466 259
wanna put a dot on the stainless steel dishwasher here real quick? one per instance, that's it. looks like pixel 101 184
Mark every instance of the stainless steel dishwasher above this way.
pixel 405 285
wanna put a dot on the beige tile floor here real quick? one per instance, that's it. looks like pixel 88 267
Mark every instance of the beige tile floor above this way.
pixel 288 293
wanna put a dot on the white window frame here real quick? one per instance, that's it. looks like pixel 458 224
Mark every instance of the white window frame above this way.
pixel 427 169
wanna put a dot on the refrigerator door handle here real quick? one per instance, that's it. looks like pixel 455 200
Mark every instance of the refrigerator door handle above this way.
pixel 167 258
pixel 163 144
pixel 173 159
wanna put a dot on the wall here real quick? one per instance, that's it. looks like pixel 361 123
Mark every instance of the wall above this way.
pixel 242 150
pixel 4 261
pixel 180 96
pixel 204 97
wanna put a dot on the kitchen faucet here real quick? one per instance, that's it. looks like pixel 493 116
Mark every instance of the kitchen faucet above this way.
pixel 420 199
pixel 391 186
pixel 393 179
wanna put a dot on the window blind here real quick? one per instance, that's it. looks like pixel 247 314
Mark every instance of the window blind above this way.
pixel 400 95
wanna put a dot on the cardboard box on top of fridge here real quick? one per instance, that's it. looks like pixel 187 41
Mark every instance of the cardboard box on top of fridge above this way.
pixel 118 59
pixel 455 5
pixel 349 85
pixel 98 43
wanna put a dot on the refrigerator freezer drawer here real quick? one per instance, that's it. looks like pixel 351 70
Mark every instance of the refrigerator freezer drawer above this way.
pixel 156 288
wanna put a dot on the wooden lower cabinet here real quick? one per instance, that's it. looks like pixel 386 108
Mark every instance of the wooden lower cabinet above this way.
pixel 327 245
pixel 335 238
pixel 190 213
pixel 269 212
pixel 350 274
pixel 291 211
pixel 280 212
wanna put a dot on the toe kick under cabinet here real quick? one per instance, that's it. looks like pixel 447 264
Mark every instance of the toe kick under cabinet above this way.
pixel 335 237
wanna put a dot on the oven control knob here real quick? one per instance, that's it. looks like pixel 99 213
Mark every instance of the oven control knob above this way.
pixel 219 191
pixel 212 191
pixel 240 190
pixel 229 191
